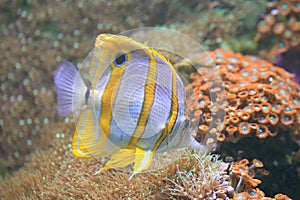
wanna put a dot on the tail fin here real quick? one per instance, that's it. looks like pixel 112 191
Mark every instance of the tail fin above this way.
pixel 70 88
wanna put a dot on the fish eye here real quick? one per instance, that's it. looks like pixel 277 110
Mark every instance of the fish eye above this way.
pixel 120 59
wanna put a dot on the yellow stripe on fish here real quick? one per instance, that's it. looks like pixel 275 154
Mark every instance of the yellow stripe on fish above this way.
pixel 109 97
pixel 173 113
pixel 132 108
pixel 147 102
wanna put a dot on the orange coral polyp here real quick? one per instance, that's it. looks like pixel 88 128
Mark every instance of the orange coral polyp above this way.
pixel 253 194
pixel 288 110
pixel 256 107
pixel 241 196
pixel 203 128
pixel 296 7
pixel 231 96
pixel 227 119
pixel 260 91
pixel 273 118
pixel 203 101
pixel 291 22
pixel 288 34
pixel 208 119
pixel 257 163
pixel 252 91
pixel 243 94
pixel 287 119
pixel 239 113
pixel 244 128
pixel 234 120
pixel 243 162
pixel 282 47
pixel 263 27
pixel 266 108
pixel 248 109
pixel 295 40
pixel 251 172
pixel 262 119
pixel 256 98
pixel 221 137
pixel 227 84
pixel 274 85
pixel 242 169
pixel 262 132
pixel 233 68
pixel 279 28
pixel 234 104
pixel 231 130
pixel 269 19
pixel 254 77
pixel 245 116
pixel 214 108
pixel 296 27
pixel 284 8
pixel 276 109
pixel 234 89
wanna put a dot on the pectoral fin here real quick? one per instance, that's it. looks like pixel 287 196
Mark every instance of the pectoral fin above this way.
pixel 142 160
pixel 121 159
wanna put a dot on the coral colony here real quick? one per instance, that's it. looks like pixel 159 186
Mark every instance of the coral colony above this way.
pixel 262 100
pixel 281 21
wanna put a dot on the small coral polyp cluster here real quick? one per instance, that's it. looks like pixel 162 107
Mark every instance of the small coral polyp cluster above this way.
pixel 243 170
pixel 203 177
pixel 282 21
pixel 220 180
pixel 260 99
pixel 242 176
